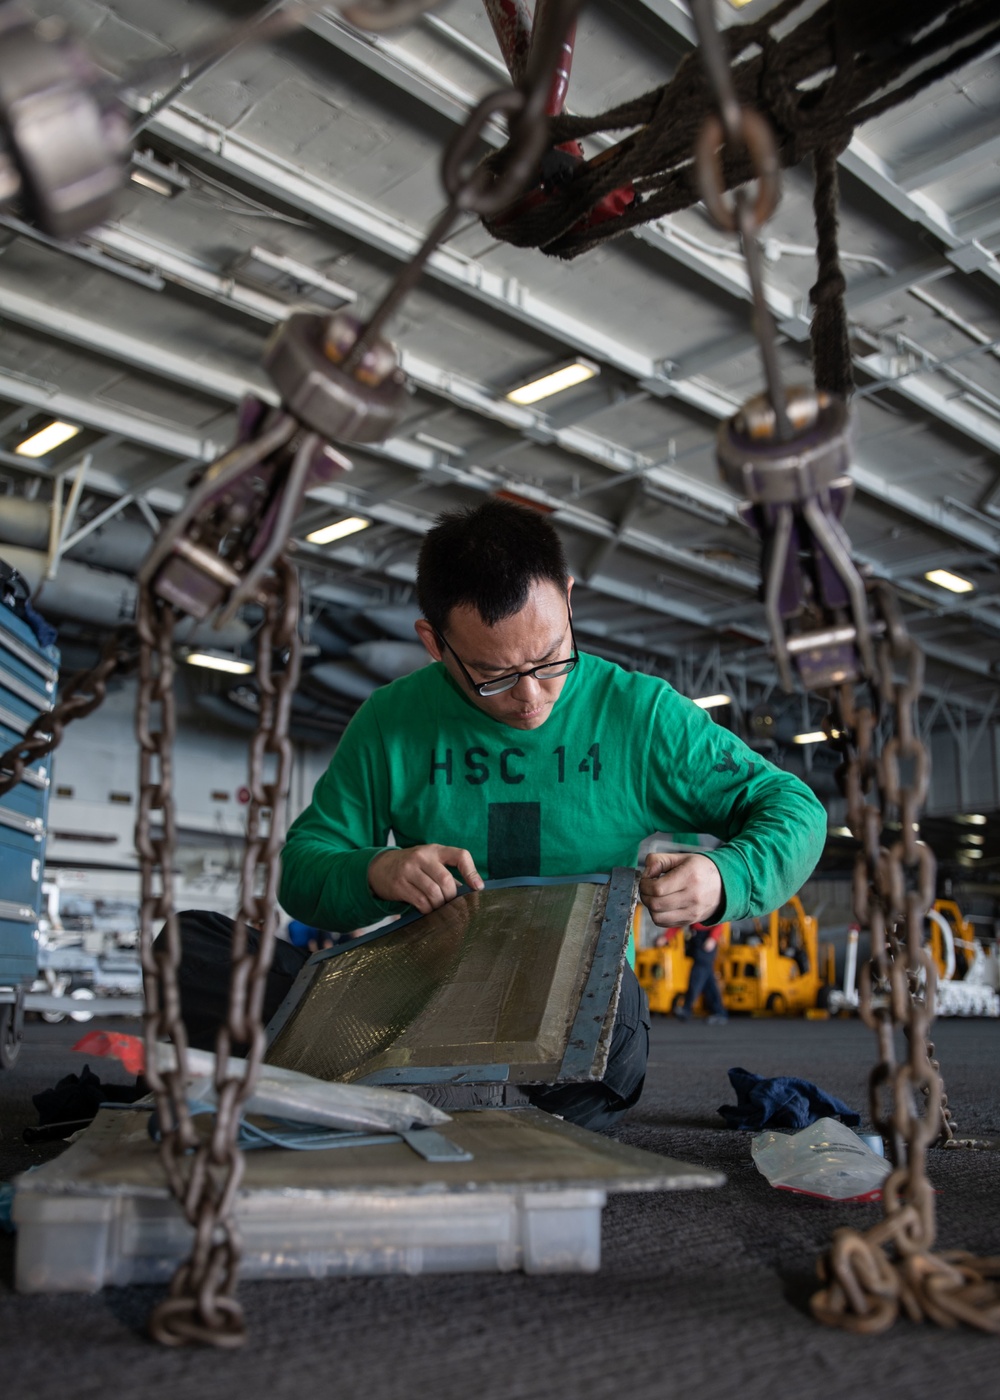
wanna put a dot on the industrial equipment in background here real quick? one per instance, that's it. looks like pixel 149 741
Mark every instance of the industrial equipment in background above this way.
pixel 664 967
pixel 968 970
pixel 777 965
pixel 966 964
pixel 771 966
pixel 87 950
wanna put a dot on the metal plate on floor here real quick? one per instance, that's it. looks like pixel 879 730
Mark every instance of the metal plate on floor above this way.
pixel 518 983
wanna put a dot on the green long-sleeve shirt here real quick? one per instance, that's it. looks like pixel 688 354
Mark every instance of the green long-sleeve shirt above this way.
pixel 621 755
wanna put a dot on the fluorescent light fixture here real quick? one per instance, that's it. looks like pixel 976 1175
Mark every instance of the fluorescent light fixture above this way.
pixel 815 736
pixel 974 840
pixel 439 445
pixel 841 831
pixel 973 819
pixel 160 176
pixel 47 440
pixel 972 855
pixel 952 582
pixel 214 661
pixel 712 702
pixel 151 182
pixel 338 530
pixel 554 383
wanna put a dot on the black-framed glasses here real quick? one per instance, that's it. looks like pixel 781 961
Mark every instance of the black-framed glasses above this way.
pixel 549 672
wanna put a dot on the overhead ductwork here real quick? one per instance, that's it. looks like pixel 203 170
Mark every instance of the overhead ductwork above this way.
pixel 78 591
pixel 395 619
pixel 103 598
pixel 118 544
pixel 344 678
pixel 390 660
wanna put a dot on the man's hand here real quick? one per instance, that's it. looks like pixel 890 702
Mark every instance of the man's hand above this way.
pixel 419 875
pixel 680 889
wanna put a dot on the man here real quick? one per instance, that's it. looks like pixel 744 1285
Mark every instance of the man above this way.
pixel 517 755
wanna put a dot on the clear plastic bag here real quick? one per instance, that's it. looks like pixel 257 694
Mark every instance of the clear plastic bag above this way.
pixel 285 1093
pixel 826 1159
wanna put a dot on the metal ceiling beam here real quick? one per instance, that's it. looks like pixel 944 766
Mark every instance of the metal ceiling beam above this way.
pixel 529 422
pixel 411 75
pixel 945 407
pixel 873 171
pixel 119 243
pixel 975 225
pixel 242 159
pixel 421 459
pixel 533 423
pixel 105 419
pixel 403 70
pixel 342 496
pixel 411 455
pixel 676 14
pixel 942 162
pixel 152 358
pixel 145 354
pixel 138 351
pixel 284 182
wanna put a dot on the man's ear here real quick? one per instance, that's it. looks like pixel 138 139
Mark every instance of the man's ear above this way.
pixel 428 636
pixel 569 587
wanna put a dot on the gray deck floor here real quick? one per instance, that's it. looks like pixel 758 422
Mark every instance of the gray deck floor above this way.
pixel 701 1292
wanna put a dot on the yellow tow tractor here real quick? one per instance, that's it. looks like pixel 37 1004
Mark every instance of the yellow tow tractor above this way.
pixel 777 964
pixel 952 963
pixel 664 969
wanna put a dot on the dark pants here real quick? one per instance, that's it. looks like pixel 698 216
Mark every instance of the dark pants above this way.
pixel 204 989
pixel 203 976
pixel 599 1106
pixel 702 982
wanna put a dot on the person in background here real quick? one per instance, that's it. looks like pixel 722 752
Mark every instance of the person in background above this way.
pixel 703 946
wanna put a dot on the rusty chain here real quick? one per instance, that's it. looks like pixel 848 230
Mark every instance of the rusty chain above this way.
pixel 868 1278
pixel 79 697
pixel 470 185
pixel 205 1173
pixel 225 547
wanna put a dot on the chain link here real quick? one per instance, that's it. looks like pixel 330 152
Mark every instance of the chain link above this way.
pixel 221 550
pixel 473 187
pixel 79 697
pixel 868 1278
pixel 205 1172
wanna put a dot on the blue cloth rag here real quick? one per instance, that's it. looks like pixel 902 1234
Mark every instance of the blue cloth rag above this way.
pixel 783 1102
pixel 47 635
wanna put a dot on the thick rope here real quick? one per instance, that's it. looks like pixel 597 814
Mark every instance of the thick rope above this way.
pixel 844 64
pixel 831 347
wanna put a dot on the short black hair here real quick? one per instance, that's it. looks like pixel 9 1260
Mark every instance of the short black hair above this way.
pixel 487 557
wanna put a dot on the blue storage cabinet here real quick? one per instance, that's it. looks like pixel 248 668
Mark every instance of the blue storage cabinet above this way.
pixel 28 676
